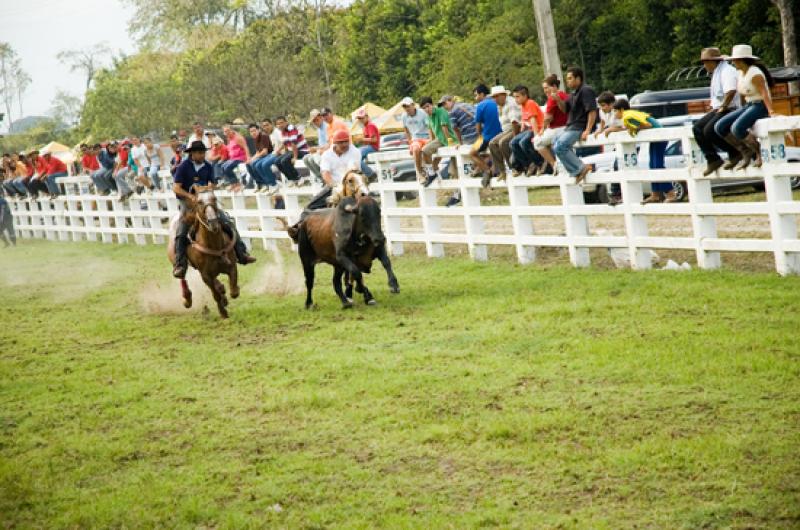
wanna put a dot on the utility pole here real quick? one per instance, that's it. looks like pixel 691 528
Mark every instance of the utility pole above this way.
pixel 547 37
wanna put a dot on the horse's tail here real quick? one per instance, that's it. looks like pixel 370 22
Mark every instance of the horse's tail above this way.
pixel 293 231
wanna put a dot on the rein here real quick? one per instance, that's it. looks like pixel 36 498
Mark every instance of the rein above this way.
pixel 223 253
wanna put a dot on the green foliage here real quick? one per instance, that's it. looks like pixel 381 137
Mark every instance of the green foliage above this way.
pixel 484 395
pixel 273 57
pixel 44 132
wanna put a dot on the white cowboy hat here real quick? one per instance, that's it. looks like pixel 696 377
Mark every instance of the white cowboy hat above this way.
pixel 741 51
pixel 499 89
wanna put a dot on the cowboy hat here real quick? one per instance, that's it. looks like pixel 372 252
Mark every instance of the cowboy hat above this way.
pixel 742 51
pixel 197 145
pixel 711 54
pixel 499 89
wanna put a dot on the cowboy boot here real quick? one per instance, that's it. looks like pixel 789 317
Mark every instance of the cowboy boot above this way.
pixel 753 144
pixel 241 253
pixel 181 244
pixel 745 152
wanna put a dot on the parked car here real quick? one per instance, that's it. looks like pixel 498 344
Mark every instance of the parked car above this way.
pixel 393 141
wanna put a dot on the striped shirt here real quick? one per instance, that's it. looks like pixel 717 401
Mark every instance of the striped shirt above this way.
pixel 291 136
pixel 462 116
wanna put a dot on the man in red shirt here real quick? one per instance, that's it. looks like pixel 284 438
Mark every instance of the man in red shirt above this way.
pixel 54 169
pixel 371 143
pixel 554 121
pixel 89 161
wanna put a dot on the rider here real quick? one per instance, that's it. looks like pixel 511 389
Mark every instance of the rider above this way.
pixel 336 162
pixel 195 171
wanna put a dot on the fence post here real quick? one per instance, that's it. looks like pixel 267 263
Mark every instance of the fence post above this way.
pixel 522 226
pixel 392 223
pixel 431 224
pixel 703 226
pixel 575 225
pixel 632 193
pixel 473 223
pixel 779 190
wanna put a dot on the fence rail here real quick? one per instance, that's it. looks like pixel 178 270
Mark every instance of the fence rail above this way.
pixel 79 215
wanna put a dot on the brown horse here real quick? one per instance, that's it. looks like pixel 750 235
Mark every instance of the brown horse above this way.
pixel 210 252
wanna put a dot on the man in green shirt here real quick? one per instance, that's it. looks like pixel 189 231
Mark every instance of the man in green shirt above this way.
pixel 442 134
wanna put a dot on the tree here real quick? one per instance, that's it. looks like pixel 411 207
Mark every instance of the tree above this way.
pixel 787 32
pixel 66 108
pixel 23 82
pixel 88 61
pixel 9 66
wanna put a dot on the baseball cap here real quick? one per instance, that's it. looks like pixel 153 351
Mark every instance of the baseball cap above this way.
pixel 443 99
pixel 313 114
pixel 406 102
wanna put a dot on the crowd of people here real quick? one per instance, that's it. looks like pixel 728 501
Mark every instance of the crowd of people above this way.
pixel 509 133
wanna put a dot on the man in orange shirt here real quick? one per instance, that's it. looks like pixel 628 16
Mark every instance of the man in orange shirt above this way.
pixel 525 156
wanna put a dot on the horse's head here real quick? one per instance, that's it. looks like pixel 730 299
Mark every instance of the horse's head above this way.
pixel 205 209
pixel 368 218
pixel 354 185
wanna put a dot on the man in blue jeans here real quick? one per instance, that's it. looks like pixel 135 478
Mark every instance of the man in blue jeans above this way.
pixel 260 164
pixel 581 109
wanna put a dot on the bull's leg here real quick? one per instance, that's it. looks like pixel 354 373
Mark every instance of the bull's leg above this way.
pixel 348 283
pixel 187 294
pixel 218 298
pixel 383 256
pixel 338 272
pixel 308 270
pixel 362 288
pixel 233 280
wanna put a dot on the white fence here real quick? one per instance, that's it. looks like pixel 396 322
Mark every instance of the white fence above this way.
pixel 82 216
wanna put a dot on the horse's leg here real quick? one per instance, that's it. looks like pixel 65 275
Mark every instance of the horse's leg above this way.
pixel 233 280
pixel 348 282
pixel 187 294
pixel 308 270
pixel 218 285
pixel 218 298
pixel 383 256
pixel 362 288
pixel 338 272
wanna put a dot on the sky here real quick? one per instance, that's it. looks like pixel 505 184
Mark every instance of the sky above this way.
pixel 38 29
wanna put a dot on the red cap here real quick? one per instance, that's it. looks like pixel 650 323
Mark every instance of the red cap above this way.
pixel 340 136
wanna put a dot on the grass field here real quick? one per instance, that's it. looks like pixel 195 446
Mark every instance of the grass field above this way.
pixel 483 395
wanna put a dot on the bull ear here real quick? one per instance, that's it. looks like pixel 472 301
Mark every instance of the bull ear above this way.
pixel 351 208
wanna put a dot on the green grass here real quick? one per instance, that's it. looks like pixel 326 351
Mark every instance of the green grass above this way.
pixel 484 395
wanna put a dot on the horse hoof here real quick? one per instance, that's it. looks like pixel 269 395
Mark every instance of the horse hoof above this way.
pixel 371 301
pixel 187 303
pixel 235 294
pixel 394 289
pixel 347 305
pixel 311 307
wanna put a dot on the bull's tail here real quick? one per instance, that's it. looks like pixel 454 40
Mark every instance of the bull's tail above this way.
pixel 293 231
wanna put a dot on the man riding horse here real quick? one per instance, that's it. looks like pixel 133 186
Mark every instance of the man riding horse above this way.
pixel 195 171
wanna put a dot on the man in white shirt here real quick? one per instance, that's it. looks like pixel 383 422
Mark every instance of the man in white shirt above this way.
pixel 510 120
pixel 198 135
pixel 723 101
pixel 139 155
pixel 336 162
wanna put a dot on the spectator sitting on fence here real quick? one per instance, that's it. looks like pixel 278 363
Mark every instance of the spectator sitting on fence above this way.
pixel 121 170
pixel 417 129
pixel 237 154
pixel 89 163
pixel 216 156
pixel 8 175
pixel 16 175
pixel 198 134
pixel 177 150
pixel 370 142
pixel 554 122
pixel 276 137
pixel 581 108
pixel 37 174
pixel 328 126
pixel 487 123
pixel 753 86
pixel 336 162
pixel 260 163
pixel 634 121
pixel 442 134
pixel 154 155
pixel 607 116
pixel 140 165
pixel 103 177
pixel 462 118
pixel 510 120
pixel 723 102
pixel 55 169
pixel 6 224
pixel 525 157
pixel 295 148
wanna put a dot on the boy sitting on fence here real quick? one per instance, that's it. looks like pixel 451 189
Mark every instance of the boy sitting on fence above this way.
pixel 634 121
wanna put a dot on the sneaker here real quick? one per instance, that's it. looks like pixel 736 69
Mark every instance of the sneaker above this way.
pixel 453 200
pixel 279 204
pixel 430 178
pixel 615 200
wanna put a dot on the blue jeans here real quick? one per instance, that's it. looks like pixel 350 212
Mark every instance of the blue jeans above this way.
pixel 522 157
pixel 562 147
pixel 121 178
pixel 262 171
pixel 365 169
pixel 102 179
pixel 18 185
pixel 284 163
pixel 52 187
pixel 657 150
pixel 738 121
pixel 227 170
pixel 152 172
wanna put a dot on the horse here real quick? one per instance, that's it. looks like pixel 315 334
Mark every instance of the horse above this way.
pixel 210 250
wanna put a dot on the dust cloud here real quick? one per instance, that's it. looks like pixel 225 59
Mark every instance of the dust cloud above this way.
pixel 277 278
pixel 160 297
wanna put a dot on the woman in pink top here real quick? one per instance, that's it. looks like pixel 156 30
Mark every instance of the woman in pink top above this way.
pixel 237 154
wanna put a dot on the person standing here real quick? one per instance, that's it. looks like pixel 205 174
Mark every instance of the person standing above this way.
pixel 510 121
pixel 581 109
pixel 723 102
pixel 7 224
pixel 753 84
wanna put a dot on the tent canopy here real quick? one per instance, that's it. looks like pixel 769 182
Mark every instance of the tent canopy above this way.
pixel 55 147
pixel 373 111
pixel 391 120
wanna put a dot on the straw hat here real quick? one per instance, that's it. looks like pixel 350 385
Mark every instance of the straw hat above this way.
pixel 742 51
pixel 711 54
